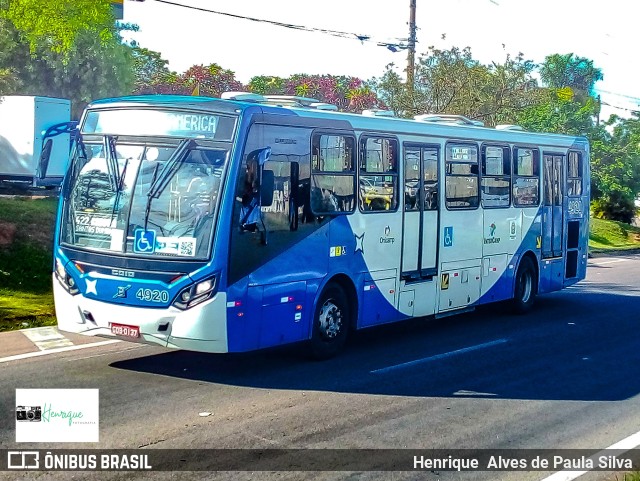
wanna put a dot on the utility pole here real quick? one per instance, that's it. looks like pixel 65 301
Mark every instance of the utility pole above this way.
pixel 411 58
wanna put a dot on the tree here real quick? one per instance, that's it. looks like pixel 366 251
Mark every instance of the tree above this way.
pixel 615 168
pixel 567 71
pixel 554 112
pixel 349 94
pixel 8 80
pixel 453 82
pixel 89 67
pixel 211 80
pixel 56 24
pixel 150 69
pixel 567 104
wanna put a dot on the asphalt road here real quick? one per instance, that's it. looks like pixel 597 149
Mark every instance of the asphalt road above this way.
pixel 563 376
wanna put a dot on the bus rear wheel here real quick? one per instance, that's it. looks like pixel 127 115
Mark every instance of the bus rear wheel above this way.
pixel 330 323
pixel 525 289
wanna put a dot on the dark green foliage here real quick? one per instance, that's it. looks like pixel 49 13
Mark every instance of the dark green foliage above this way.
pixel 26 264
pixel 72 58
pixel 25 267
pixel 453 82
pixel 26 299
pixel 615 206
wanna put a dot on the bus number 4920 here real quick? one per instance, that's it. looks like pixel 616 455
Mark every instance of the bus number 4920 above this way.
pixel 150 295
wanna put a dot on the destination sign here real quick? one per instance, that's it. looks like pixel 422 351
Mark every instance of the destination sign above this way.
pixel 157 123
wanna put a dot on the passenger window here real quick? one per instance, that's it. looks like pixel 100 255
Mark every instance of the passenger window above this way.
pixel 496 176
pixel 575 174
pixel 461 181
pixel 526 180
pixel 333 174
pixel 378 179
pixel 430 178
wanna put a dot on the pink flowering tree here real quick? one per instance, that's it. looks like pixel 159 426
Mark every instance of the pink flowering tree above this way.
pixel 349 94
pixel 210 81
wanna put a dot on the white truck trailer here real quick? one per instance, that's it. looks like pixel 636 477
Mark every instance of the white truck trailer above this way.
pixel 23 123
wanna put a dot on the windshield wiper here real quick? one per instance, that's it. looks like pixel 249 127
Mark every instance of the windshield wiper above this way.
pixel 111 158
pixel 160 182
pixel 120 185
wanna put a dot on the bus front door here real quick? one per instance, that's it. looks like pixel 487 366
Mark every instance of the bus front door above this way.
pixel 552 216
pixel 420 239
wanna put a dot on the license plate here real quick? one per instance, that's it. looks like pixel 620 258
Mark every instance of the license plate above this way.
pixel 125 331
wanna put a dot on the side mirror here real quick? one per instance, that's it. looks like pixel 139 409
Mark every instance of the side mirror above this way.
pixel 266 188
pixel 45 156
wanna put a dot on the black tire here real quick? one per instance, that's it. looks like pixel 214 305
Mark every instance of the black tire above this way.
pixel 526 287
pixel 330 323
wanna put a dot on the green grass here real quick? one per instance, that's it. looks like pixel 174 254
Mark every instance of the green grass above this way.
pixel 609 235
pixel 26 299
pixel 20 309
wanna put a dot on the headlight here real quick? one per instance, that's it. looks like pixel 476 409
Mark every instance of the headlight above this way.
pixel 60 269
pixel 196 293
pixel 67 281
pixel 204 286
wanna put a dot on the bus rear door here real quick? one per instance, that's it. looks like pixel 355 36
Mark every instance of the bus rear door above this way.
pixel 420 239
pixel 552 217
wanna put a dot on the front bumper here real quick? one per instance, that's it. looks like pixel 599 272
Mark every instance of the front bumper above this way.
pixel 201 328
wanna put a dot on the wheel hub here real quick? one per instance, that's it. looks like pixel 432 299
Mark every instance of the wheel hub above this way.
pixel 330 319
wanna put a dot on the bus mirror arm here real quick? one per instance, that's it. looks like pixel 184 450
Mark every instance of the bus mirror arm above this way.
pixel 266 185
pixel 47 144
pixel 45 155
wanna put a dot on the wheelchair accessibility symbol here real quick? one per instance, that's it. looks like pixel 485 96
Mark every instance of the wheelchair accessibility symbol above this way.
pixel 448 236
pixel 144 241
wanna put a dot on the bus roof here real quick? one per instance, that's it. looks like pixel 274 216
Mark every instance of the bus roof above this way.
pixel 378 123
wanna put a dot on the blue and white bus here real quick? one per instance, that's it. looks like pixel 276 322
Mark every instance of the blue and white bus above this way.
pixel 234 224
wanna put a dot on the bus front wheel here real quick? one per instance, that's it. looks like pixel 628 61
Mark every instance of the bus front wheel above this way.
pixel 330 323
pixel 525 289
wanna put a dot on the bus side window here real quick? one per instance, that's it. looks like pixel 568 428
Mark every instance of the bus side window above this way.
pixel 574 177
pixel 461 180
pixel 378 174
pixel 333 174
pixel 526 177
pixel 496 176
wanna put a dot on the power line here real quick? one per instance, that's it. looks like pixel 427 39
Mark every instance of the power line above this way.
pixel 620 108
pixel 637 99
pixel 393 46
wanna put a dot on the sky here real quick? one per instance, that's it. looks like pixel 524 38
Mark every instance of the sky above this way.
pixel 603 31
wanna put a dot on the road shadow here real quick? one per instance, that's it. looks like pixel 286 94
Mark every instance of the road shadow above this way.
pixel 575 345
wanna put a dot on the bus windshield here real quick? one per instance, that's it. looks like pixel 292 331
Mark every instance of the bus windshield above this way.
pixel 113 202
